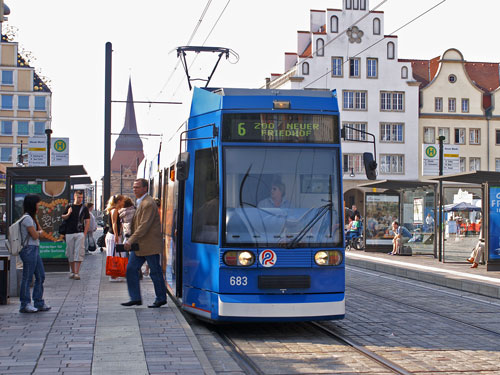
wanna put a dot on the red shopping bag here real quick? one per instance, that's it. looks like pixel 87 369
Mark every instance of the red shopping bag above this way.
pixel 116 266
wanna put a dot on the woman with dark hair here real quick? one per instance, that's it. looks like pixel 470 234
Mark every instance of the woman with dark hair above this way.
pixel 113 237
pixel 30 255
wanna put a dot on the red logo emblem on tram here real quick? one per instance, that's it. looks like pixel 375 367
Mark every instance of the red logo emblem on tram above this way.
pixel 268 258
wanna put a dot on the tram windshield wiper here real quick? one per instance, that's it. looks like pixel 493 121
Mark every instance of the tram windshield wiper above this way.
pixel 322 210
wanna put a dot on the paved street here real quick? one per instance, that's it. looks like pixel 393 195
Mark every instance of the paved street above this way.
pixel 414 321
pixel 88 331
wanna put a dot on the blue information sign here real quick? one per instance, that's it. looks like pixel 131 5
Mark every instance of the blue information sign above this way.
pixel 494 223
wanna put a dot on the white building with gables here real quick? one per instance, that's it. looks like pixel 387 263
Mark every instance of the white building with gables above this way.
pixel 346 49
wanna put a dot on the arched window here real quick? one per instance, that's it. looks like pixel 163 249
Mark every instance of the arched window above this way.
pixel 404 72
pixel 305 69
pixel 334 24
pixel 320 51
pixel 376 26
pixel 390 50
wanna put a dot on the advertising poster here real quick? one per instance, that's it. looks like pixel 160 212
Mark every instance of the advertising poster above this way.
pixel 494 224
pixel 55 197
pixel 380 210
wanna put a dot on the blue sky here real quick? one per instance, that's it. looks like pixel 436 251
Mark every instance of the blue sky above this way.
pixel 68 40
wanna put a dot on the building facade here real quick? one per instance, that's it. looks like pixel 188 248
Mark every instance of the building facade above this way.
pixel 25 103
pixel 25 108
pixel 346 50
pixel 457 101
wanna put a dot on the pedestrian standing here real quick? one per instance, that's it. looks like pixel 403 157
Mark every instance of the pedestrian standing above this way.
pixel 78 220
pixel 115 203
pixel 146 233
pixel 89 238
pixel 31 232
pixel 126 215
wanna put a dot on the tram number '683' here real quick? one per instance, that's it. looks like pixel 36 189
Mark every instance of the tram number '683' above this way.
pixel 238 281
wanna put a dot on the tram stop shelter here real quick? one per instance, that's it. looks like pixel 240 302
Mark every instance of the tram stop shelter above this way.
pixel 411 203
pixel 54 185
pixel 489 184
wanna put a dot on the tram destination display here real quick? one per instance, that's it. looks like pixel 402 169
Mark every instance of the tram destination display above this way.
pixel 284 128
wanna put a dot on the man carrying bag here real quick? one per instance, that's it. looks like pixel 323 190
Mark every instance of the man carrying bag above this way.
pixel 146 235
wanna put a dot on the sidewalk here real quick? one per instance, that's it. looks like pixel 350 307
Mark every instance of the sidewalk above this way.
pixel 428 269
pixel 89 332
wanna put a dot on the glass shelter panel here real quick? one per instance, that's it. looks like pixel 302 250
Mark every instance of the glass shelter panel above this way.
pixel 419 219
pixel 380 211
pixel 283 197
pixel 462 222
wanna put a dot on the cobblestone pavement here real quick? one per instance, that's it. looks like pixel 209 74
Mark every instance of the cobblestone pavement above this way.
pixel 423 328
pixel 88 332
pixel 57 341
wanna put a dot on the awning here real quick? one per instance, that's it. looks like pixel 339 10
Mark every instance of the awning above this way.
pixel 399 184
pixel 47 172
pixel 477 177
pixel 80 180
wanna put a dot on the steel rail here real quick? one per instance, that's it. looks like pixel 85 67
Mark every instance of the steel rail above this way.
pixel 246 364
pixel 367 353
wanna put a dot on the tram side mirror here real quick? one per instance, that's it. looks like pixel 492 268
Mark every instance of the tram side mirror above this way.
pixel 182 166
pixel 370 166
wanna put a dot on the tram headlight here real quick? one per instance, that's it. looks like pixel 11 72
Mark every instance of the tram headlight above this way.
pixel 239 258
pixel 328 258
pixel 246 258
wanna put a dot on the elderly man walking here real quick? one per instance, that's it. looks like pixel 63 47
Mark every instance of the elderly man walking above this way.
pixel 146 232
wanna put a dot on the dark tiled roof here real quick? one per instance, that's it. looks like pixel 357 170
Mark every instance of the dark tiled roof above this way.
pixel 129 139
pixel 484 75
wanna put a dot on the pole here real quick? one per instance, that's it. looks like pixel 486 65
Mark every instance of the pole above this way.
pixel 95 195
pixel 121 179
pixel 440 208
pixel 48 132
pixel 20 158
pixel 107 125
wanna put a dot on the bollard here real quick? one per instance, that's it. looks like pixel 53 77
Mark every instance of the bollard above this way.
pixel 4 279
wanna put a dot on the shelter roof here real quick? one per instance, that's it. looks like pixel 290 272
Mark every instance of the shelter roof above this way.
pixel 398 184
pixel 477 177
pixel 47 172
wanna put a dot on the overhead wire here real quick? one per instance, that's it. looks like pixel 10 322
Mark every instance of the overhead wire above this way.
pixel 188 43
pixel 203 44
pixel 378 41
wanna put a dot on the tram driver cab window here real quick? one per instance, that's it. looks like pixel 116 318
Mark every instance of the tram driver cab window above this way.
pixel 205 198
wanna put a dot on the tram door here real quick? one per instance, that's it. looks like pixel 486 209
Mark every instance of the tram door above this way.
pixel 173 199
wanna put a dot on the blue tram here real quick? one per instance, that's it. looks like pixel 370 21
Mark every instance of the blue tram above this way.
pixel 252 210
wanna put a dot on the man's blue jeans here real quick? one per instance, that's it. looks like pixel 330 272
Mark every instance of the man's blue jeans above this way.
pixel 32 265
pixel 134 265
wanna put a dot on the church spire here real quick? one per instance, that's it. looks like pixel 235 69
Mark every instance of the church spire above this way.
pixel 129 139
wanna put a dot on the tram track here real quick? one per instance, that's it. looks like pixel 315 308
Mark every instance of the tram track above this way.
pixel 361 349
pixel 251 367
pixel 399 302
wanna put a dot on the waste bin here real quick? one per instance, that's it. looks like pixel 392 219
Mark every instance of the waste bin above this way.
pixel 4 279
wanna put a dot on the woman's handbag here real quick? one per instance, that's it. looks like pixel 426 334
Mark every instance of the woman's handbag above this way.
pixel 91 243
pixel 63 227
pixel 101 241
pixel 116 266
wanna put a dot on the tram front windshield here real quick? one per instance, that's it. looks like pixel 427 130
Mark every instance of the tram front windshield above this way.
pixel 282 197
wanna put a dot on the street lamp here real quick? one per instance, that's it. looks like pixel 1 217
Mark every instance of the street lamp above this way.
pixel 20 157
pixel 352 173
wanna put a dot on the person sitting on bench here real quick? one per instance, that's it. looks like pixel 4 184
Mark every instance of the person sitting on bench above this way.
pixel 396 241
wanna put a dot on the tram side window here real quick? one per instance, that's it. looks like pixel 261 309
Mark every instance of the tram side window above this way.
pixel 206 198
